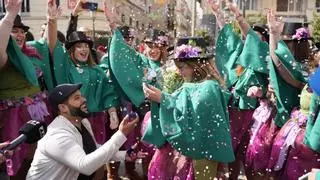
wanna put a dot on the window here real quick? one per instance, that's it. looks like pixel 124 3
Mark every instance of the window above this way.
pixel 2 9
pixel 318 5
pixel 58 2
pixel 142 26
pixel 25 7
pixel 137 24
pixel 130 21
pixel 249 4
pixel 291 5
pixel 123 18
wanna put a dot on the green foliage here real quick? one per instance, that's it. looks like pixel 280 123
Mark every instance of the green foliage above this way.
pixel 251 19
pixel 316 27
pixel 172 81
pixel 205 35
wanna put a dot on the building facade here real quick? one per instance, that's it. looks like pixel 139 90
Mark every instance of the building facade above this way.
pixel 134 13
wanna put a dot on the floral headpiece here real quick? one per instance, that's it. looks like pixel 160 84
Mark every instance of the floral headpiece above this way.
pixel 301 33
pixel 187 51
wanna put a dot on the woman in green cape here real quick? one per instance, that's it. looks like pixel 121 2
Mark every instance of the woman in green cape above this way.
pixel 21 97
pixel 193 124
pixel 78 66
pixel 128 69
pixel 243 64
pixel 269 117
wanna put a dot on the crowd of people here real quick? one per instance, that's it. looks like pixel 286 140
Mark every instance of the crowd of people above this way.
pixel 252 104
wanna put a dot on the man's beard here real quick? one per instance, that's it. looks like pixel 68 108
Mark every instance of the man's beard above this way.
pixel 77 112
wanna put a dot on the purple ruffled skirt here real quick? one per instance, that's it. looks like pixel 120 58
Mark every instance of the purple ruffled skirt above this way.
pixel 169 164
pixel 262 133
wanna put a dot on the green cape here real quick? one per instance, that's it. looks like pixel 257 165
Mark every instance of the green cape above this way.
pixel 21 62
pixel 194 120
pixel 312 134
pixel 287 96
pixel 61 65
pixel 228 48
pixel 128 66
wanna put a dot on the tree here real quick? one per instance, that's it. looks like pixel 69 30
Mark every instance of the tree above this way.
pixel 316 28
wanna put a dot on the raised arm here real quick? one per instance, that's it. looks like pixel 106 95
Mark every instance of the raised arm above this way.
pixel 73 22
pixel 109 14
pixel 276 28
pixel 53 12
pixel 215 6
pixel 6 24
pixel 243 24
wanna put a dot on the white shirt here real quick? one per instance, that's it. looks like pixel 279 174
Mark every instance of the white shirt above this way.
pixel 60 155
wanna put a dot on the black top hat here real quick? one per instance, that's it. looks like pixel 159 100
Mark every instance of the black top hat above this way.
pixel 61 93
pixel 290 27
pixel 19 24
pixel 157 36
pixel 191 48
pixel 126 32
pixel 76 37
pixel 263 29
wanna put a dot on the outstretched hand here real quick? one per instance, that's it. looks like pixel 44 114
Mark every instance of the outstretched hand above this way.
pixel 53 12
pixel 233 8
pixel 78 8
pixel 275 26
pixel 13 6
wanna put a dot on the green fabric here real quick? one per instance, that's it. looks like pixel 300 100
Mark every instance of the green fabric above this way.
pixel 61 64
pixel 287 96
pixel 228 49
pixel 96 87
pixel 312 133
pixel 195 122
pixel 305 100
pixel 127 67
pixel 254 53
pixel 21 62
pixel 14 85
pixel 318 175
pixel 247 79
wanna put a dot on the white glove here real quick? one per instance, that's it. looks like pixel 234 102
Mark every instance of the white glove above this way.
pixel 254 91
pixel 114 120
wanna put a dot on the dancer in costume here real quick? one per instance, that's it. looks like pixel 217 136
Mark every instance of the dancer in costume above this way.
pixel 243 64
pixel 79 67
pixel 293 155
pixel 192 116
pixel 21 98
pixel 284 142
pixel 284 72
pixel 128 69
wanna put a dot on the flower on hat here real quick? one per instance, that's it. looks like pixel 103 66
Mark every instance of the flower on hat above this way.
pixel 187 51
pixel 301 33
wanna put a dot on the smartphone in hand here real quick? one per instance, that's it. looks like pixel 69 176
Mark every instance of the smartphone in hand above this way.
pixel 91 6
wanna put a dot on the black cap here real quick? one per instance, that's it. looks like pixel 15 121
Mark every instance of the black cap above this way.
pixel 157 36
pixel 76 37
pixel 19 24
pixel 126 32
pixel 263 30
pixel 60 93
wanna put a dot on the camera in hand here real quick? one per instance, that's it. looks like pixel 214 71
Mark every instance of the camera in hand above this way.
pixel 91 6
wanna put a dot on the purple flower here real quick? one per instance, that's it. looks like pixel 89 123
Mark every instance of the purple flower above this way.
pixel 187 51
pixel 301 33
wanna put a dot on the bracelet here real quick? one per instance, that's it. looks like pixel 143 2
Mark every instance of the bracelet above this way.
pixel 49 20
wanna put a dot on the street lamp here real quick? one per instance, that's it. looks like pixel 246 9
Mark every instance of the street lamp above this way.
pixel 93 17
